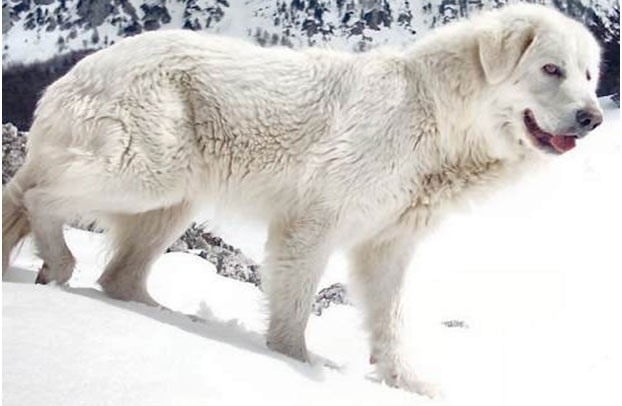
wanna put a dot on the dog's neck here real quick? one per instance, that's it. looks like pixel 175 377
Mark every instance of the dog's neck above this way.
pixel 452 170
pixel 457 161
pixel 448 73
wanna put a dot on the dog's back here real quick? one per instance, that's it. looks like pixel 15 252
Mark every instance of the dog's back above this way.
pixel 173 112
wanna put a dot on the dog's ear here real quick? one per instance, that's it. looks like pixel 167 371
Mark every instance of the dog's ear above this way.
pixel 501 47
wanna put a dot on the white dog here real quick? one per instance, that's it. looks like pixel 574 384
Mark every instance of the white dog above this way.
pixel 360 151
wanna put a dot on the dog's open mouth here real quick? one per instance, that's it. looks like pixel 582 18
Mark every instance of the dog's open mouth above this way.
pixel 551 142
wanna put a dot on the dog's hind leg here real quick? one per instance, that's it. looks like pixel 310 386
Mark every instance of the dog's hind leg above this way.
pixel 58 261
pixel 46 221
pixel 137 241
pixel 297 252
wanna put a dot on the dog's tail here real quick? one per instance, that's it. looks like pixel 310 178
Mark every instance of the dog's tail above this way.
pixel 15 223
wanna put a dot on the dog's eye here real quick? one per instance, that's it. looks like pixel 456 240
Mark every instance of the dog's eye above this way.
pixel 552 70
pixel 587 75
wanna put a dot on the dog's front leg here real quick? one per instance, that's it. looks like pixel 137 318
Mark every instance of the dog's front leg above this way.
pixel 379 267
pixel 297 251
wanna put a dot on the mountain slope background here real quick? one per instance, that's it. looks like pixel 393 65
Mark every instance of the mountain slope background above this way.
pixel 42 39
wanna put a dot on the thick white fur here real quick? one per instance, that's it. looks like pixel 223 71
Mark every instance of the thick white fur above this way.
pixel 358 151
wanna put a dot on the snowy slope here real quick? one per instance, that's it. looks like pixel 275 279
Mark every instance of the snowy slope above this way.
pixel 79 348
pixel 532 274
pixel 74 346
pixel 41 29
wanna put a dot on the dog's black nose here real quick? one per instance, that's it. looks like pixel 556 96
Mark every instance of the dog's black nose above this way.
pixel 589 119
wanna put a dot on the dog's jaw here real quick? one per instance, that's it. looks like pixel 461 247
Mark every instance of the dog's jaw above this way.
pixel 545 141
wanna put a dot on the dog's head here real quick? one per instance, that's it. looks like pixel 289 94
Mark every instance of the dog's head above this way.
pixel 543 69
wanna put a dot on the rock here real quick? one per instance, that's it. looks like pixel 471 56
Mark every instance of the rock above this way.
pixel 334 294
pixel 455 324
pixel 13 150
pixel 232 263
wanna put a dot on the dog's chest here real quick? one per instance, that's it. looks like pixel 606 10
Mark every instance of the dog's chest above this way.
pixel 449 186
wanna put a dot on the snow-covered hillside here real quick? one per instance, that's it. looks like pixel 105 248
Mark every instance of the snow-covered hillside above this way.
pixel 513 303
pixel 43 39
pixel 41 29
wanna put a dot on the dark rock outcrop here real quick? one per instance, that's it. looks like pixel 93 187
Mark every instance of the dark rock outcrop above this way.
pixel 13 151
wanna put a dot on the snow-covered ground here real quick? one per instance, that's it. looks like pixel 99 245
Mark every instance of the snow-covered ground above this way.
pixel 533 276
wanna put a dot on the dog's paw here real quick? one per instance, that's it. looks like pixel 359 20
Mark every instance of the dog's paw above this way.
pixel 293 348
pixel 59 274
pixel 315 359
pixel 398 374
pixel 411 383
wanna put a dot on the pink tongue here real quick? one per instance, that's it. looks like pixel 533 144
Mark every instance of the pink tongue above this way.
pixel 562 143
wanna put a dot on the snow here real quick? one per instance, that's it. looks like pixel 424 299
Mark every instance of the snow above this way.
pixel 73 346
pixel 29 39
pixel 533 273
